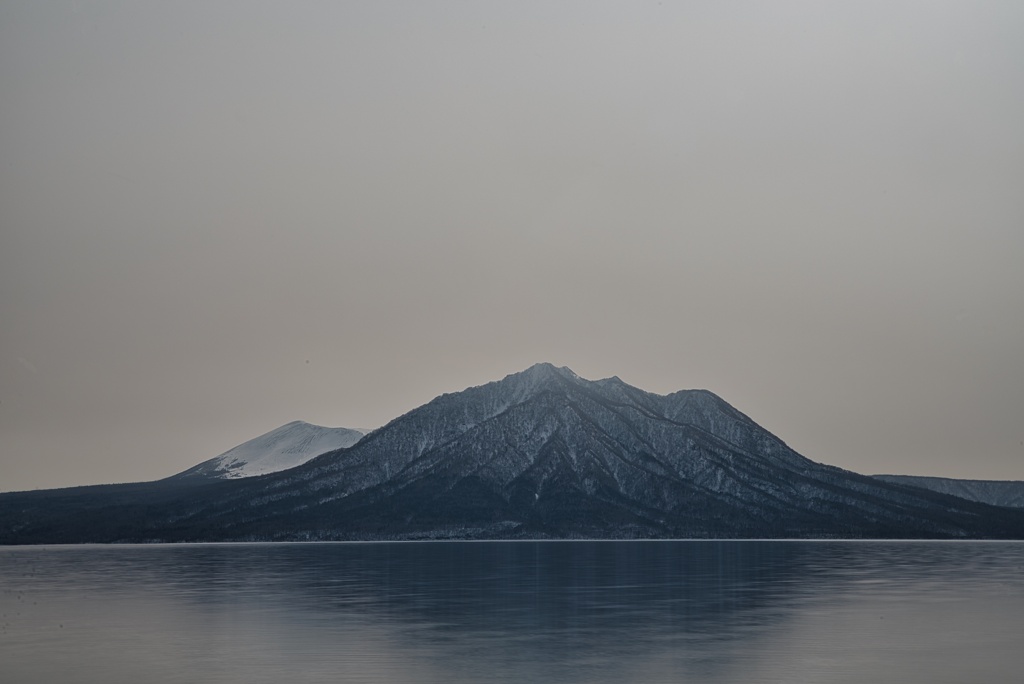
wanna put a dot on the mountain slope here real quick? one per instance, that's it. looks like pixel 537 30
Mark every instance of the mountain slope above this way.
pixel 288 446
pixel 993 492
pixel 541 453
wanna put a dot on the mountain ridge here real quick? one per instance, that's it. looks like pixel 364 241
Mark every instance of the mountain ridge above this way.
pixel 995 492
pixel 541 453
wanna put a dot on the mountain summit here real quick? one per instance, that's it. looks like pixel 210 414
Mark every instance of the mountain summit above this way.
pixel 288 446
pixel 546 453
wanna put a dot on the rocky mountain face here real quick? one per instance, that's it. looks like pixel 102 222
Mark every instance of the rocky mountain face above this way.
pixel 994 492
pixel 288 446
pixel 543 453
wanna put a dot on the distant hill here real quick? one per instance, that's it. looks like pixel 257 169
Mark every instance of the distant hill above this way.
pixel 288 446
pixel 994 492
pixel 542 453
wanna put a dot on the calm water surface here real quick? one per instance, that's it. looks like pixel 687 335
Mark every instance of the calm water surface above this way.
pixel 515 612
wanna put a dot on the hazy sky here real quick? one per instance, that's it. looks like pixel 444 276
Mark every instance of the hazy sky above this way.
pixel 216 217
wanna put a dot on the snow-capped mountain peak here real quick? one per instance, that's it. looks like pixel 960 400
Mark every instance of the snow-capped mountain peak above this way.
pixel 288 446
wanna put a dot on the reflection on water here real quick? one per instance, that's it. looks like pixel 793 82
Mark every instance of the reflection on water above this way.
pixel 501 611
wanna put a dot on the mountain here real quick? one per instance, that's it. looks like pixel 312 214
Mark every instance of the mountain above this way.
pixel 539 454
pixel 994 492
pixel 288 446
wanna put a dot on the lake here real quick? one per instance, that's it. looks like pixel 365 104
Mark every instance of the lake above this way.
pixel 636 611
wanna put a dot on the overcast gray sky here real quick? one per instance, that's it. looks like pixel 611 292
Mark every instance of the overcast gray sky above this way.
pixel 216 217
